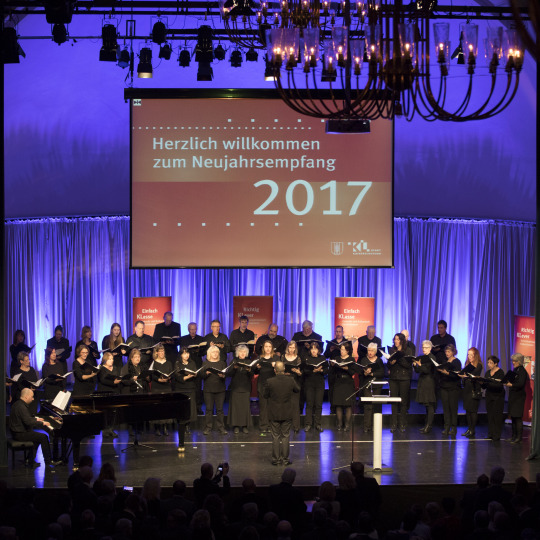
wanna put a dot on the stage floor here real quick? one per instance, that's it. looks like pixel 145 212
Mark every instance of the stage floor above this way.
pixel 415 458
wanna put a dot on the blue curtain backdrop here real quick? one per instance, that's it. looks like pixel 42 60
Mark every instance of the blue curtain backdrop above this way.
pixel 475 274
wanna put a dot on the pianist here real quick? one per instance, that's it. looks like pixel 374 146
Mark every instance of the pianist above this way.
pixel 22 424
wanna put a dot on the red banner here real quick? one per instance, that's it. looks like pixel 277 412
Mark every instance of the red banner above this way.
pixel 524 343
pixel 150 310
pixel 355 314
pixel 258 309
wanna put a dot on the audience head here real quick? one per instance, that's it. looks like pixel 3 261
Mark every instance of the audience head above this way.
pixel 357 468
pixel 151 489
pixel 179 488
pixel 288 476
pixel 124 528
pixel 88 519
pixel 86 474
pixel 327 491
pixel 250 512
pixel 86 461
pixel 481 519
pixel 482 481
pixel 248 484
pixel 207 470
pixel 284 529
pixel 54 531
pixel 496 477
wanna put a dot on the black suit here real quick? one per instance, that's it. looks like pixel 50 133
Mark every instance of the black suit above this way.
pixel 279 391
pixel 173 330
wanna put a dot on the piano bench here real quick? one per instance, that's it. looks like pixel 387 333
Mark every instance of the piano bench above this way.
pixel 20 446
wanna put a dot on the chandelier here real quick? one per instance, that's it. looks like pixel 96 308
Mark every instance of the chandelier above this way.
pixel 376 59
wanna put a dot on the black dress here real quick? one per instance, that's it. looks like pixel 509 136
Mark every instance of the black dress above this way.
pixel 517 394
pixel 470 389
pixel 130 386
pixel 51 387
pixel 14 350
pixel 344 383
pixel 295 398
pixel 106 380
pixel 377 373
pixel 495 403
pixel 83 387
pixel 158 387
pixel 63 345
pixel 187 387
pixel 31 376
pixel 314 389
pixel 118 361
pixel 265 372
pixel 425 392
pixel 240 392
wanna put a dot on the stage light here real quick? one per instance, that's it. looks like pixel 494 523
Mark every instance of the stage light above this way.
pixel 159 33
pixel 124 59
pixel 236 59
pixel 251 55
pixel 59 33
pixel 110 45
pixel 205 72
pixel 11 50
pixel 219 52
pixel 144 69
pixel 165 51
pixel 204 51
pixel 58 11
pixel 184 58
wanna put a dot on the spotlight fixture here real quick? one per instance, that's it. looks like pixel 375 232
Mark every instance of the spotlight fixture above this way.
pixel 204 51
pixel 110 45
pixel 144 69
pixel 124 58
pixel 236 59
pixel 252 55
pixel 11 50
pixel 159 33
pixel 205 72
pixel 59 11
pixel 165 51
pixel 184 58
pixel 219 52
pixel 59 33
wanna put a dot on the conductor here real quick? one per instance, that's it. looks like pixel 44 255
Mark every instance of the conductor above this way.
pixel 279 390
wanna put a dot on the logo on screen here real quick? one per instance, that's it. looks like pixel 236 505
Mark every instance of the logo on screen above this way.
pixel 137 102
pixel 360 247
pixel 336 248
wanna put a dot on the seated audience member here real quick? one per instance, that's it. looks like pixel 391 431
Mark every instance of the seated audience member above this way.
pixel 367 489
pixel 249 495
pixel 495 491
pixel 208 483
pixel 287 501
pixel 178 501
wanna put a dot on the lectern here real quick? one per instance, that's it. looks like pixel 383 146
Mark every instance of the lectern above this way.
pixel 377 432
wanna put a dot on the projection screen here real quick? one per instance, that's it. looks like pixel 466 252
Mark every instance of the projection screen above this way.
pixel 246 182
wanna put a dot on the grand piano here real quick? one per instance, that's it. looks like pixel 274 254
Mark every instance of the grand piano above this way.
pixel 86 415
